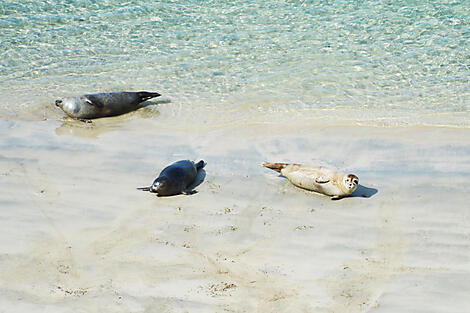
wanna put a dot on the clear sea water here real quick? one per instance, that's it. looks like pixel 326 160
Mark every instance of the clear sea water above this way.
pixel 387 60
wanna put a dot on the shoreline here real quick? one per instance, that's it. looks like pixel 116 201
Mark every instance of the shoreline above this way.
pixel 181 115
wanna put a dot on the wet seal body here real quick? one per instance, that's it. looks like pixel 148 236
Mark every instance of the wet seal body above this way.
pixel 175 178
pixel 321 179
pixel 104 104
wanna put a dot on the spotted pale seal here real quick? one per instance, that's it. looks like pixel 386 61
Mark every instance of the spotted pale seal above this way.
pixel 325 180
pixel 175 178
pixel 104 104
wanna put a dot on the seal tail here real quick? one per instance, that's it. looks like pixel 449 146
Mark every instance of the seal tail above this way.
pixel 144 95
pixel 200 165
pixel 275 166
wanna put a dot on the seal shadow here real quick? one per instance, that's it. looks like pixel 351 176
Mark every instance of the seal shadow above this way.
pixel 201 175
pixel 84 129
pixel 363 192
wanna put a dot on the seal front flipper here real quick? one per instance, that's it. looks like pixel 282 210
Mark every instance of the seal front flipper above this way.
pixel 189 192
pixel 322 180
pixel 94 101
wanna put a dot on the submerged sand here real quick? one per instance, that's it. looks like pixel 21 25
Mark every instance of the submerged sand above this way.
pixel 76 235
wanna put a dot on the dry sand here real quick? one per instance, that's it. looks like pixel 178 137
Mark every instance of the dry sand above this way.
pixel 76 236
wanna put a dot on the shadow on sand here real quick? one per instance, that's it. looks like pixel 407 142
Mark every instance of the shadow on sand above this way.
pixel 201 175
pixel 364 192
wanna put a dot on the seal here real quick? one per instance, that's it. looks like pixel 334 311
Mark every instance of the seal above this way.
pixel 175 178
pixel 104 104
pixel 321 179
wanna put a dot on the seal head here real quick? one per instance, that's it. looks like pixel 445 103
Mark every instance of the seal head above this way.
pixel 68 105
pixel 350 183
pixel 163 186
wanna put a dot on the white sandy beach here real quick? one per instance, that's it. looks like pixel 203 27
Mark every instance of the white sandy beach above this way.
pixel 76 235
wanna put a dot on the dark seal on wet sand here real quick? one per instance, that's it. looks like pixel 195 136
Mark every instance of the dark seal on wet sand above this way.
pixel 175 178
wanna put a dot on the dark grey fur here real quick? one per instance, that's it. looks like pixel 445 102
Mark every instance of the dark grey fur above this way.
pixel 175 178
pixel 104 104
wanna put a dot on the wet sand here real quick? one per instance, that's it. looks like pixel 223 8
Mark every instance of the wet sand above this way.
pixel 76 235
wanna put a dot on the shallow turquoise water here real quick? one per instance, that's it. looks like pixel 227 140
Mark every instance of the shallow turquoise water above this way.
pixel 374 57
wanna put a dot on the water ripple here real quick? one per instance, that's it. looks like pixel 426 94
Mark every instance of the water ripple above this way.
pixel 372 54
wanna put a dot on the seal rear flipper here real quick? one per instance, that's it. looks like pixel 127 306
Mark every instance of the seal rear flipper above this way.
pixel 144 188
pixel 200 165
pixel 144 95
pixel 275 166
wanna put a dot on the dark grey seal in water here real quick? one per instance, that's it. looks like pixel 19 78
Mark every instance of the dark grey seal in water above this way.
pixel 175 178
pixel 104 104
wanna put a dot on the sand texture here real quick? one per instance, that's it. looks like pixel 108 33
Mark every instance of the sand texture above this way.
pixel 76 235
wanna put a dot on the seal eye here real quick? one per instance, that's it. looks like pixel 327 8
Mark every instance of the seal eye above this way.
pixel 155 186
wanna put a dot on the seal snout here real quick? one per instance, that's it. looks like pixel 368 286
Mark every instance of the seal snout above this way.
pixel 154 187
pixel 58 103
